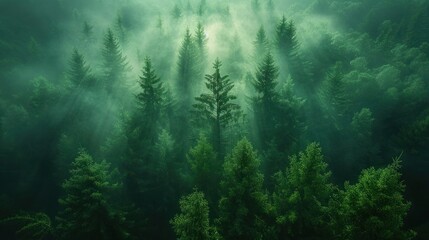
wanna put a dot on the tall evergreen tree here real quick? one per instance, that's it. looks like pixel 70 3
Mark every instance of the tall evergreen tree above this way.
pixel 79 73
pixel 206 169
pixel 335 95
pixel 150 99
pixel 187 70
pixel 87 212
pixel 261 43
pixel 374 207
pixel 266 102
pixel 285 39
pixel 115 65
pixel 243 206
pixel 216 107
pixel 302 195
pixel 193 221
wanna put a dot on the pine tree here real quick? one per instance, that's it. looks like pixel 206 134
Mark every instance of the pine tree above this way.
pixel 176 12
pixel 334 94
pixel 243 205
pixel 79 73
pixel 261 43
pixel 187 70
pixel 266 102
pixel 151 97
pixel 302 195
pixel 115 65
pixel 216 107
pixel 87 212
pixel 206 169
pixel 193 221
pixel 201 42
pixel 285 39
pixel 374 207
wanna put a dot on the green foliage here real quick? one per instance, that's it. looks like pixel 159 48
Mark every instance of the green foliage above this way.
pixel 374 207
pixel 86 210
pixel 193 221
pixel 205 167
pixel 266 101
pixel 285 38
pixel 335 95
pixel 362 123
pixel 243 205
pixel 79 73
pixel 32 226
pixel 176 12
pixel 115 65
pixel 151 97
pixel 302 194
pixel 187 69
pixel 261 43
pixel 216 107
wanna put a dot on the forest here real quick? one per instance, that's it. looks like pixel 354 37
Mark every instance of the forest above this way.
pixel 211 119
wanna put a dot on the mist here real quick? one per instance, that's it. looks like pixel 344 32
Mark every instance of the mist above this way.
pixel 198 119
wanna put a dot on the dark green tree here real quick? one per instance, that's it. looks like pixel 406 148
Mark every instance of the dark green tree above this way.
pixel 206 169
pixel 87 212
pixel 285 38
pixel 150 99
pixel 374 207
pixel 216 107
pixel 79 72
pixel 187 70
pixel 192 223
pixel 302 195
pixel 261 44
pixel 243 205
pixel 266 102
pixel 115 65
pixel 176 12
pixel 334 93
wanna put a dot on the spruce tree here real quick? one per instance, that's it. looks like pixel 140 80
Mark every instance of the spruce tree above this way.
pixel 266 102
pixel 115 65
pixel 187 70
pixel 243 205
pixel 374 207
pixel 206 169
pixel 87 212
pixel 192 223
pixel 79 72
pixel 150 98
pixel 285 39
pixel 335 95
pixel 217 107
pixel 261 44
pixel 302 195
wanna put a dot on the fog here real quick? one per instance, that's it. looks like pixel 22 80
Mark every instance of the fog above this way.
pixel 157 98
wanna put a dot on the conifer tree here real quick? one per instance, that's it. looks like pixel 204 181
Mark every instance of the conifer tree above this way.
pixel 201 42
pixel 206 169
pixel 302 195
pixel 187 70
pixel 285 39
pixel 261 43
pixel 79 73
pixel 266 102
pixel 216 107
pixel 151 97
pixel 243 205
pixel 374 207
pixel 334 94
pixel 87 212
pixel 115 65
pixel 192 223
